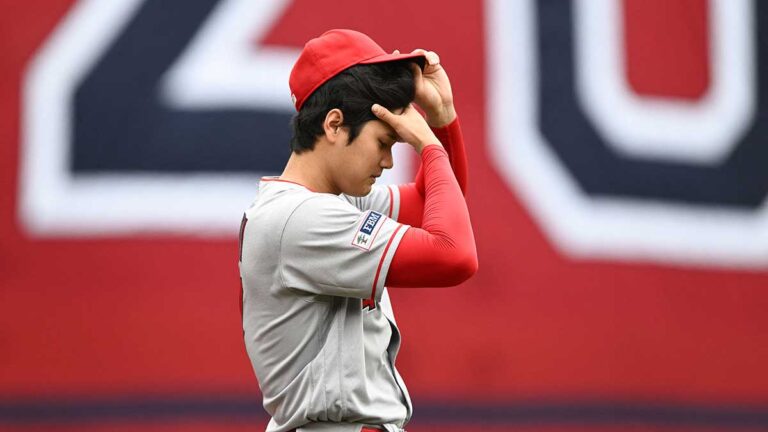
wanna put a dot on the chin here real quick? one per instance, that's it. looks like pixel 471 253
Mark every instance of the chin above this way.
pixel 360 192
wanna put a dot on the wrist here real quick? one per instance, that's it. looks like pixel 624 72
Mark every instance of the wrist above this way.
pixel 435 145
pixel 441 118
pixel 426 140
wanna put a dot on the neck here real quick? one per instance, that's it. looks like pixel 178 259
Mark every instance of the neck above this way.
pixel 308 169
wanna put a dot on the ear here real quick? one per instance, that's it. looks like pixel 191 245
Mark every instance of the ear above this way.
pixel 333 125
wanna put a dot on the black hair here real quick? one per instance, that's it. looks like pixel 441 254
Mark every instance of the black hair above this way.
pixel 353 91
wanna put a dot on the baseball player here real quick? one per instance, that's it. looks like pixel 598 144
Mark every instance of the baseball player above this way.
pixel 321 242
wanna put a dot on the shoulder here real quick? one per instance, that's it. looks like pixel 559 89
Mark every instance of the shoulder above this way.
pixel 318 216
pixel 316 206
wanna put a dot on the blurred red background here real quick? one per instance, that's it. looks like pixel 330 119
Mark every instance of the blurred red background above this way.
pixel 142 332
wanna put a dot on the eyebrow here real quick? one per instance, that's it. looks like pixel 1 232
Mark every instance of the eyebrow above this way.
pixel 392 136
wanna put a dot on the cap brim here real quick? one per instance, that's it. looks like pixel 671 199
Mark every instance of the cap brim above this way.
pixel 420 59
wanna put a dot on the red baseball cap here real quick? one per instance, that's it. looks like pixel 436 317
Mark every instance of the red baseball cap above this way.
pixel 327 55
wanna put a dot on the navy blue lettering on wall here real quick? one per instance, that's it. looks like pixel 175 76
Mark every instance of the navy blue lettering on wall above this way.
pixel 122 125
pixel 610 171
pixel 741 181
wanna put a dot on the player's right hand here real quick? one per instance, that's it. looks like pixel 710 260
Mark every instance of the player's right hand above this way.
pixel 433 92
pixel 409 125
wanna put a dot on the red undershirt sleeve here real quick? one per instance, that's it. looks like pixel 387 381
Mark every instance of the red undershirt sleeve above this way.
pixel 412 194
pixel 442 252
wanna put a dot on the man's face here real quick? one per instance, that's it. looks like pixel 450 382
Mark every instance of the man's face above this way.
pixel 362 161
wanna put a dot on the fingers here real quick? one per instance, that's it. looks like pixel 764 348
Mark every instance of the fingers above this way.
pixel 416 73
pixel 384 114
pixel 418 81
pixel 409 125
pixel 392 119
pixel 432 58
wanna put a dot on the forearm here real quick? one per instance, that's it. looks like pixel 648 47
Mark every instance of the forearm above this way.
pixel 442 252
pixel 453 142
pixel 412 194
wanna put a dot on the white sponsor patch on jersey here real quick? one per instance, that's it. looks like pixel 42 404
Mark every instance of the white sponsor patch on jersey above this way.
pixel 367 231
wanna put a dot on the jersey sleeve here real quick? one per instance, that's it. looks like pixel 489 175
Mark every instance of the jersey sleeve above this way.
pixel 384 199
pixel 330 247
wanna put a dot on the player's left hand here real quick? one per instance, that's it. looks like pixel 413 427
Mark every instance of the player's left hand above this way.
pixel 433 90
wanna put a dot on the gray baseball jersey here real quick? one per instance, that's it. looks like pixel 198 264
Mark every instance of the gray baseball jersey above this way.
pixel 318 325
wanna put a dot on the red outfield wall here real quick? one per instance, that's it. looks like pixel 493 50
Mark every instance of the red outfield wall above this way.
pixel 141 331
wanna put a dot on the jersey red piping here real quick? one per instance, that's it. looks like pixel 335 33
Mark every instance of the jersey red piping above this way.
pixel 372 301
pixel 391 200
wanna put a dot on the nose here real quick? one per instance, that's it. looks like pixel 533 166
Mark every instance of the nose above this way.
pixel 387 161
